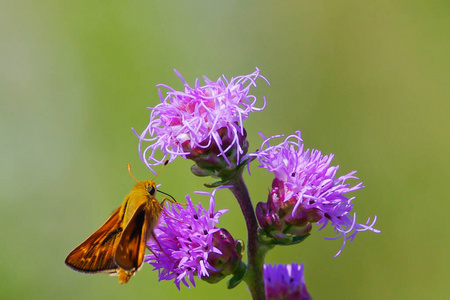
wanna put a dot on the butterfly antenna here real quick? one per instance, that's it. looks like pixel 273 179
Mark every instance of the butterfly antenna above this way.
pixel 129 171
pixel 165 163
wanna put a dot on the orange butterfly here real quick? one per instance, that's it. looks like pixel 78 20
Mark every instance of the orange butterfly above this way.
pixel 118 246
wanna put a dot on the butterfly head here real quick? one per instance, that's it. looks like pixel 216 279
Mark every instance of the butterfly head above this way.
pixel 146 187
pixel 150 187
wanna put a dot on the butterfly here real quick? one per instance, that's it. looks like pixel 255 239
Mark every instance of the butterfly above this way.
pixel 118 246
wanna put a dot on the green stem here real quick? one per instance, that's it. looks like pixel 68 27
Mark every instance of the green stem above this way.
pixel 254 275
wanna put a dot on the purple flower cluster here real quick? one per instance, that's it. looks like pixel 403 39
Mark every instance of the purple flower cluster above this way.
pixel 201 116
pixel 185 240
pixel 285 282
pixel 309 182
pixel 204 123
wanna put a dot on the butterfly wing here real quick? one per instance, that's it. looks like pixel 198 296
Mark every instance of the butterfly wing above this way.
pixel 96 253
pixel 131 247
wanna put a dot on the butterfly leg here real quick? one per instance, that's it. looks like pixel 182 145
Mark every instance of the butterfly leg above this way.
pixel 172 201
pixel 162 250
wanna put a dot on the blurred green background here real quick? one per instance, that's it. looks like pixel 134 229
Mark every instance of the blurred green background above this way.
pixel 365 80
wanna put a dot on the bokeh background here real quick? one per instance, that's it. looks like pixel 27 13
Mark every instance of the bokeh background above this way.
pixel 365 80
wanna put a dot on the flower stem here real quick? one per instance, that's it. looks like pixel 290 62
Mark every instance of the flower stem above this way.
pixel 254 275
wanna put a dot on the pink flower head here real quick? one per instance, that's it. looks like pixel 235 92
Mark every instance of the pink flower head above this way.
pixel 200 117
pixel 186 238
pixel 309 187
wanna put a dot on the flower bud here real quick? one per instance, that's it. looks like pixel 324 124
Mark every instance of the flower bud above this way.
pixel 225 263
pixel 280 224
pixel 214 159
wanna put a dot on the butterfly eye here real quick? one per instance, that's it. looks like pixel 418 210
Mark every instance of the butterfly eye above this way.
pixel 151 190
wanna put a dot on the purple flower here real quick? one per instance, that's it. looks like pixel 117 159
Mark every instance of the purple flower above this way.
pixel 187 123
pixel 307 186
pixel 188 243
pixel 285 282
